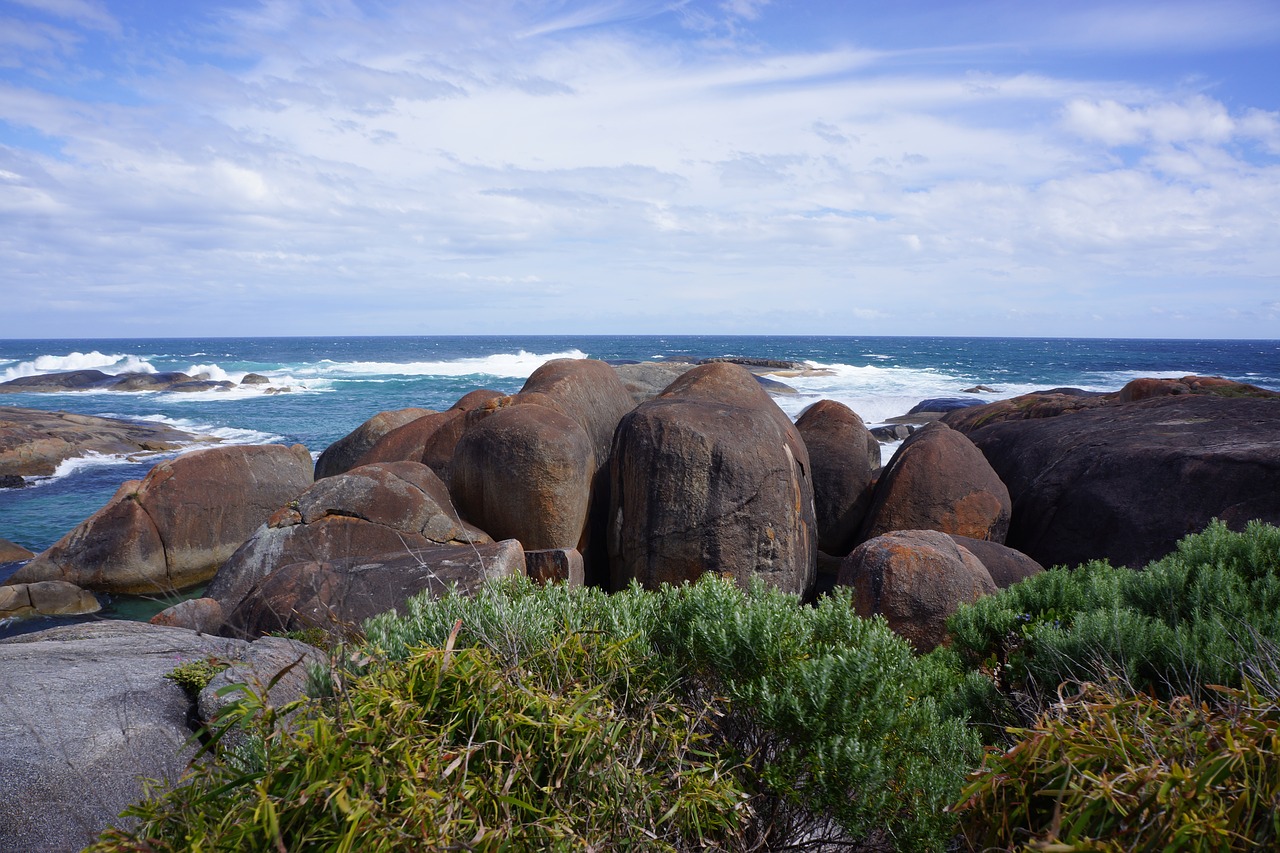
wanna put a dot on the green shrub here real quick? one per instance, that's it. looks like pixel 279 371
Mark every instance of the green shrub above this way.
pixel 1112 771
pixel 194 676
pixel 457 749
pixel 1196 617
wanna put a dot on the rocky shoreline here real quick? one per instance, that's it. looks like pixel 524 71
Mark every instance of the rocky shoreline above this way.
pixel 608 474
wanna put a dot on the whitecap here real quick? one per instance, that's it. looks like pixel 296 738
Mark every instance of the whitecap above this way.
pixel 507 365
pixel 95 360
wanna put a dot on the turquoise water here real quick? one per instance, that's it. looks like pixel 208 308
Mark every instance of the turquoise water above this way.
pixel 337 383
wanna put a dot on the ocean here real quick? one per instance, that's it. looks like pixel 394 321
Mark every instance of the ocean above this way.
pixel 336 383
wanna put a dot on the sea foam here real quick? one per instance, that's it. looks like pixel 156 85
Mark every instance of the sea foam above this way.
pixel 107 363
pixel 508 365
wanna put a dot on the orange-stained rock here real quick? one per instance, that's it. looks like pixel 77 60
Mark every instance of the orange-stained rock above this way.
pixel 915 579
pixel 344 453
pixel 845 457
pixel 939 481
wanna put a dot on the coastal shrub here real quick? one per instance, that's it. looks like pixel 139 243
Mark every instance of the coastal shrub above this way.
pixel 455 748
pixel 1202 615
pixel 1110 770
pixel 531 717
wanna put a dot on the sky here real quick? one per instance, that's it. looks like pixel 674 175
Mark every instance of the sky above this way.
pixel 367 167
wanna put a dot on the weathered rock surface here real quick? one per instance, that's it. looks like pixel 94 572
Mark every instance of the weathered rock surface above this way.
pixel 46 598
pixel 1126 481
pixel 373 510
pixel 429 439
pixel 586 390
pixel 202 615
pixel 13 553
pixel 33 442
pixel 648 379
pixel 711 476
pixel 338 595
pixel 1005 565
pixel 85 715
pixel 96 380
pixel 341 456
pixel 915 579
pixel 939 481
pixel 845 456
pixel 173 529
pixel 525 472
pixel 943 404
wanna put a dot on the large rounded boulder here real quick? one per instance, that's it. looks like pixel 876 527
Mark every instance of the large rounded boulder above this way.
pixel 845 457
pixel 431 438
pixel 175 527
pixel 344 454
pixel 711 476
pixel 939 481
pixel 1126 481
pixel 373 510
pixel 525 472
pixel 915 579
pixel 587 390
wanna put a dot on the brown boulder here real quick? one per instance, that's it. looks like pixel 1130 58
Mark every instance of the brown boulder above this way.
pixel 1005 565
pixel 202 615
pixel 172 529
pixel 648 379
pixel 845 457
pixel 12 553
pixel 711 476
pixel 586 390
pixel 386 508
pixel 525 472
pixel 46 598
pixel 343 454
pixel 939 481
pixel 915 579
pixel 338 595
pixel 1145 389
pixel 431 438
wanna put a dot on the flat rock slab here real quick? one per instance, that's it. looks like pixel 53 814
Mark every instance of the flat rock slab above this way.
pixel 34 442
pixel 86 714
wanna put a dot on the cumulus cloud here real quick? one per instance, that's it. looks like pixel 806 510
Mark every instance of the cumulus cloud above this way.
pixel 503 167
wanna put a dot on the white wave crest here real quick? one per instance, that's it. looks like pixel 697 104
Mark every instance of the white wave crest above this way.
pixel 107 363
pixel 508 365
pixel 227 434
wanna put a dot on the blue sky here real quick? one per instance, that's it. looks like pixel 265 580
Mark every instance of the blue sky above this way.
pixel 282 167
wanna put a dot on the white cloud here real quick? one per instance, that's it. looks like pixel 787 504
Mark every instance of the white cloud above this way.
pixel 87 13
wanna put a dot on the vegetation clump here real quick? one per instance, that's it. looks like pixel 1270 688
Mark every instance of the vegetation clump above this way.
pixel 194 676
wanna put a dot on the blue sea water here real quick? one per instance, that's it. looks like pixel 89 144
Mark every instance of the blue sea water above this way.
pixel 336 383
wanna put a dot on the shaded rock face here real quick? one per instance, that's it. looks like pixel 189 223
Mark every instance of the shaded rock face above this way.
pixel 338 595
pixel 915 579
pixel 939 481
pixel 175 527
pixel 88 714
pixel 203 615
pixel 844 456
pixel 341 456
pixel 1125 482
pixel 525 472
pixel 1005 565
pixel 711 476
pixel 33 442
pixel 555 565
pixel 648 379
pixel 385 508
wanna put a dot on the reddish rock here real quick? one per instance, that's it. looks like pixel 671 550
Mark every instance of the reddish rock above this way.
pixel 1145 389
pixel 525 472
pixel 343 454
pixel 373 510
pixel 12 553
pixel 1005 565
pixel 586 390
pixel 711 476
pixel 915 579
pixel 338 595
pixel 845 457
pixel 202 615
pixel 939 481
pixel 431 438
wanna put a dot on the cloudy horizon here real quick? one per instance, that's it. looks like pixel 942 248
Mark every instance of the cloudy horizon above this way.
pixel 275 167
